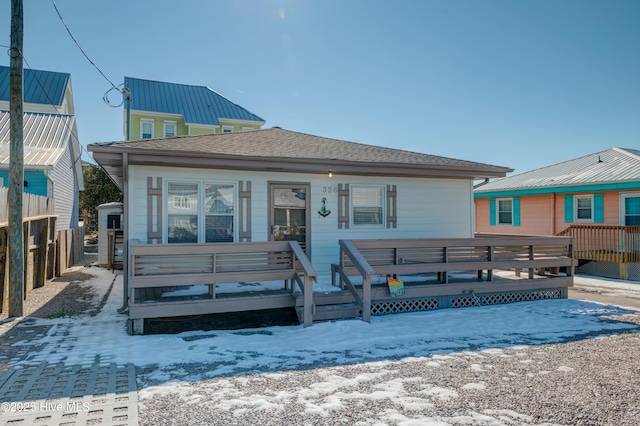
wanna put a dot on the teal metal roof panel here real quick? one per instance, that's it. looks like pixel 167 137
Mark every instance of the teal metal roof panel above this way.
pixel 613 165
pixel 198 104
pixel 40 87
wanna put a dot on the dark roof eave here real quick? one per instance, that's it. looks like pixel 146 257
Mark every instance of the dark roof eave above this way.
pixel 295 165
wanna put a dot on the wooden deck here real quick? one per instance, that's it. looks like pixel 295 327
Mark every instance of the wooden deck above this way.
pixel 153 267
pixel 443 257
pixel 619 244
pixel 438 273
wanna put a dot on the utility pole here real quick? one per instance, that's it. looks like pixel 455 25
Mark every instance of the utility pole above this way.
pixel 16 163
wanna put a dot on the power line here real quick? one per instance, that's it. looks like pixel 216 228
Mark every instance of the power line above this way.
pixel 71 130
pixel 81 49
pixel 74 135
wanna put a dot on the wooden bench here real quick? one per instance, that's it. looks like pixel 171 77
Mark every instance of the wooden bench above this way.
pixel 366 258
pixel 171 265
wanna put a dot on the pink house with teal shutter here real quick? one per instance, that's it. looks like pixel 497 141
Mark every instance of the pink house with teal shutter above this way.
pixel 595 198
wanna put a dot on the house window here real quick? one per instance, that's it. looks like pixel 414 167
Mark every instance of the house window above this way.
pixel 218 214
pixel 505 211
pixel 182 212
pixel 200 212
pixel 169 128
pixel 146 129
pixel 584 208
pixel 367 205
pixel 227 129
pixel 247 128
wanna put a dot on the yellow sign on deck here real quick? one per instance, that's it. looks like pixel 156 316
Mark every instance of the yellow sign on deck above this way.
pixel 396 287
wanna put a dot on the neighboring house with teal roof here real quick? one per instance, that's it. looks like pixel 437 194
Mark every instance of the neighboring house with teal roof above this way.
pixel 161 109
pixel 595 197
pixel 51 148
pixel 44 91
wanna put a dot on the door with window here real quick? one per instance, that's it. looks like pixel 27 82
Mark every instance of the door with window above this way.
pixel 630 209
pixel 289 213
pixel 630 216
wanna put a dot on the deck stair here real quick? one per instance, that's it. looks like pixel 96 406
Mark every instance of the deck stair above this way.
pixel 331 306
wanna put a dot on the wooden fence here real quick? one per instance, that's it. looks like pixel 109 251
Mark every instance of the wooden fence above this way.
pixel 47 253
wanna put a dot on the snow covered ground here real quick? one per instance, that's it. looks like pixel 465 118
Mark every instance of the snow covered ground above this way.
pixel 179 364
pixel 395 336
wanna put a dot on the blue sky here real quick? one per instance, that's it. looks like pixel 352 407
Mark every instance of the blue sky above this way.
pixel 521 84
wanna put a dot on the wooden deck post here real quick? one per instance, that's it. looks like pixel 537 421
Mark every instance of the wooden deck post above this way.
pixel 366 299
pixel 308 301
pixel 531 269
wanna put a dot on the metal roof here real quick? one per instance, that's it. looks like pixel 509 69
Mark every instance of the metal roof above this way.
pixel 609 166
pixel 40 87
pixel 198 104
pixel 46 137
pixel 285 150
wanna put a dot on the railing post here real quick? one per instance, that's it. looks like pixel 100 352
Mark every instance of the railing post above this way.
pixel 366 299
pixel 490 258
pixel 531 269
pixel 308 301
pixel 571 251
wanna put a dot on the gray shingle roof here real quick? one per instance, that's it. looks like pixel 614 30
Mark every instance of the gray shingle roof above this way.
pixel 608 166
pixel 277 144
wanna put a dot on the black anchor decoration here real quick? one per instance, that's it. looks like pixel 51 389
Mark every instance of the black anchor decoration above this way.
pixel 323 210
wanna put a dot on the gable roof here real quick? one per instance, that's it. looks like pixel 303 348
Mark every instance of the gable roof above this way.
pixel 277 149
pixel 198 104
pixel 46 138
pixel 40 87
pixel 611 166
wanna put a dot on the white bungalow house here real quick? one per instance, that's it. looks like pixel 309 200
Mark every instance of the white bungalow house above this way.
pixel 205 196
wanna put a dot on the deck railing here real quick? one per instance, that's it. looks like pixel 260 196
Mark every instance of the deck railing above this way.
pixel 159 265
pixel 620 244
pixel 366 258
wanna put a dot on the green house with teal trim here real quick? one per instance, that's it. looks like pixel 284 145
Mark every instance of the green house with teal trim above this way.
pixel 160 109
pixel 52 165
pixel 601 190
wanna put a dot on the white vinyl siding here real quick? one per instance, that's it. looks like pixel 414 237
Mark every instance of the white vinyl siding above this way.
pixel 65 191
pixel 426 207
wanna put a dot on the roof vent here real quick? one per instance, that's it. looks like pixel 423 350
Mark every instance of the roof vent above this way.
pixel 600 160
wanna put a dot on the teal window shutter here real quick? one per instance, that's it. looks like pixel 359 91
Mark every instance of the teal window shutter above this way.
pixel 516 211
pixel 598 208
pixel 492 211
pixel 568 208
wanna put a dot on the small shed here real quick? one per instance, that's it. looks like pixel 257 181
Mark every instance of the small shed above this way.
pixel 110 223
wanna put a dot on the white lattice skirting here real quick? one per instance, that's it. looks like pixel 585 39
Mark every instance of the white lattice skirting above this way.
pixel 388 307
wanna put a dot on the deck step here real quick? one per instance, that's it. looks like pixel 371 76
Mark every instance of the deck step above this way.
pixel 332 312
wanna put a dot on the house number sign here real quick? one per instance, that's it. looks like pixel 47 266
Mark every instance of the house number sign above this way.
pixel 330 189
